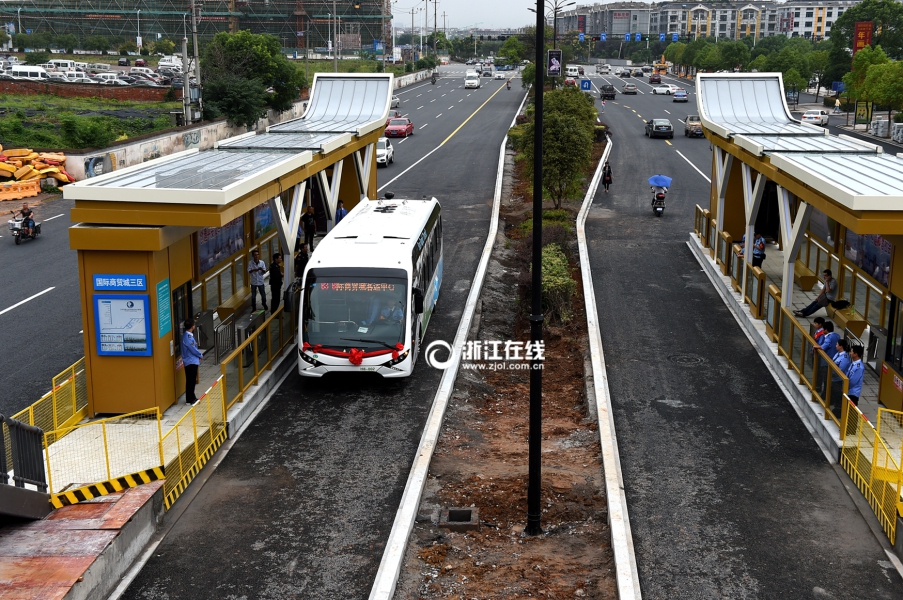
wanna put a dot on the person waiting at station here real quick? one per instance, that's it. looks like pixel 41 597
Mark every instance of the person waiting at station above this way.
pixel 276 277
pixel 340 212
pixel 855 373
pixel 309 223
pixel 758 250
pixel 301 260
pixel 827 295
pixel 828 343
pixel 256 270
pixel 842 360
pixel 819 327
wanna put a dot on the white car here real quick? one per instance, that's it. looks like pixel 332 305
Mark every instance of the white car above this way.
pixel 816 117
pixel 395 102
pixel 499 75
pixel 665 88
pixel 385 153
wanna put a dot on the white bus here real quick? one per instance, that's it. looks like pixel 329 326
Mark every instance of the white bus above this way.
pixel 370 288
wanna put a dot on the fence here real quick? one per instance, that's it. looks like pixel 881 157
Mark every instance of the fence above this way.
pixel 102 450
pixel 824 379
pixel 65 404
pixel 25 442
pixel 224 337
pixel 192 441
pixel 242 368
pixel 873 462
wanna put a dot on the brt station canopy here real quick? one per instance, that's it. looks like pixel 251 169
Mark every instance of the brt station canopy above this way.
pixel 828 201
pixel 191 218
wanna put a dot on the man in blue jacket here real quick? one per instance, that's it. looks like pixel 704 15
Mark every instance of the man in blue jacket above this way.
pixel 828 343
pixel 191 358
pixel 855 374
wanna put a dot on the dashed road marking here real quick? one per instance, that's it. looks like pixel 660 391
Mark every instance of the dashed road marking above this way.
pixel 52 218
pixel 419 107
pixel 422 126
pixel 439 115
pixel 17 304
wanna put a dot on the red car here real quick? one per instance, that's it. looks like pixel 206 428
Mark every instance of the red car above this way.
pixel 140 62
pixel 655 78
pixel 570 81
pixel 400 127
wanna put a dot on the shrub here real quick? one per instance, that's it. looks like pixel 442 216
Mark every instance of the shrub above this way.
pixel 558 287
pixel 86 132
pixel 898 118
pixel 409 67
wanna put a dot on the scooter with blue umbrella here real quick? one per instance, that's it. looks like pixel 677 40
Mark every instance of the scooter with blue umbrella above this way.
pixel 660 185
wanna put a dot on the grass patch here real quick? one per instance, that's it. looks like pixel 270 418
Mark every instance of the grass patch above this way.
pixel 58 103
pixel 558 216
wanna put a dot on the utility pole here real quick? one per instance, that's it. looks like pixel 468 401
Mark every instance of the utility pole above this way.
pixel 197 57
pixel 335 39
pixel 412 36
pixel 435 23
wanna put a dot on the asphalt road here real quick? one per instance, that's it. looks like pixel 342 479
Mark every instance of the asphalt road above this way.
pixel 729 496
pixel 302 505
pixel 40 337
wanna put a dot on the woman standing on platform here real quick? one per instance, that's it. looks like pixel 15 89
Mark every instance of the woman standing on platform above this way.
pixel 191 359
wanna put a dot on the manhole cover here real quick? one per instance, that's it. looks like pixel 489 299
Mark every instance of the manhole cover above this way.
pixel 686 359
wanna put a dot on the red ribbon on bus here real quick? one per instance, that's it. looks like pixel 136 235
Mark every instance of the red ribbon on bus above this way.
pixel 355 356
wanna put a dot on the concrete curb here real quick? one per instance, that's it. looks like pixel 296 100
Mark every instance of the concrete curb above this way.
pixel 241 411
pixel 393 556
pixel 626 573
pixel 825 432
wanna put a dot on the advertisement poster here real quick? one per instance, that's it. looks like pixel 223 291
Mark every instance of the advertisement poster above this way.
pixel 553 65
pixel 122 325
pixel 263 220
pixel 862 36
pixel 216 244
pixel 871 253
pixel 863 112
pixel 581 23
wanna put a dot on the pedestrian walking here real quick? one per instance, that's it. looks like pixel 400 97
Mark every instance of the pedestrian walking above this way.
pixel 301 261
pixel 256 269
pixel 827 295
pixel 340 213
pixel 309 223
pixel 191 359
pixel 758 250
pixel 606 176
pixel 837 106
pixel 276 277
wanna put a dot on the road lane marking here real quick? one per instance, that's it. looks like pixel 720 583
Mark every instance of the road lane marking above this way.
pixel 694 166
pixel 433 100
pixel 439 115
pixel 451 107
pixel 403 141
pixel 670 144
pixel 444 95
pixel 419 107
pixel 633 109
pixel 669 112
pixel 418 95
pixel 17 304
pixel 425 124
pixel 52 218
pixel 462 99
pixel 640 116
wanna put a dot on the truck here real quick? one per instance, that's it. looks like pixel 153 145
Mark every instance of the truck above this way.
pixel 607 91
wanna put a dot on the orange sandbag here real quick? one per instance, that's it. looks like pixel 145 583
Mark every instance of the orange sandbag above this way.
pixel 61 177
pixel 18 152
pixel 22 172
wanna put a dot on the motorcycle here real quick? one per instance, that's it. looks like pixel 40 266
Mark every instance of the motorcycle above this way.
pixel 508 84
pixel 659 186
pixel 17 228
pixel 433 80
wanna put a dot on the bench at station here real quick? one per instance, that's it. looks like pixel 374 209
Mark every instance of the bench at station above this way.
pixel 236 304
pixel 803 276
pixel 845 318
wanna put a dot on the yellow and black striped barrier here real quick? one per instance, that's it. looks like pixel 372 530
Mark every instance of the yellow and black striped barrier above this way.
pixel 88 492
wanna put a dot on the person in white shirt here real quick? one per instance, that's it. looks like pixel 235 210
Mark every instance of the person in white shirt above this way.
pixel 256 270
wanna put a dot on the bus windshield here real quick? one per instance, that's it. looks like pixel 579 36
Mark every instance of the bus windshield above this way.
pixel 355 308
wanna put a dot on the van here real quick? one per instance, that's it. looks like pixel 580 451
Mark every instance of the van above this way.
pixel 59 77
pixel 26 72
pixel 106 76
pixel 471 80
pixel 81 66
pixel 573 71
pixel 170 62
pixel 142 70
pixel 62 65
pixel 603 69
pixel 98 67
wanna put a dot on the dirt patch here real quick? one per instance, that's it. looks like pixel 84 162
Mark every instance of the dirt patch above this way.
pixel 481 459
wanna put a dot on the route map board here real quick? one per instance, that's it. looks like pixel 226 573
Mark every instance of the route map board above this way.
pixel 122 326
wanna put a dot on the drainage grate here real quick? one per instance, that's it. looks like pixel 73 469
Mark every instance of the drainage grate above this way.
pixel 460 519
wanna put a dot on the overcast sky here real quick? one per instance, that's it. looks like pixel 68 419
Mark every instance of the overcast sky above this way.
pixel 484 14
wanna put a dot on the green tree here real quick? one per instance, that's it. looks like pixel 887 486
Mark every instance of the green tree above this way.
pixel 4 37
pixel 164 46
pixel 674 52
pixel 97 43
pixel 256 58
pixel 734 55
pixel 792 78
pixel 68 42
pixel 758 63
pixel 512 50
pixel 128 47
pixel 862 62
pixel 242 100
pixel 884 85
pixel 818 62
pixel 36 58
pixel 886 17
pixel 528 75
pixel 86 132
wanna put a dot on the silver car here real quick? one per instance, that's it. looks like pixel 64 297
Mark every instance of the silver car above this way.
pixel 395 102
pixel 385 153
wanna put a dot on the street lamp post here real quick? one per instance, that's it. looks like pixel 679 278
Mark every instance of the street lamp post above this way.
pixel 139 28
pixel 335 41
pixel 19 16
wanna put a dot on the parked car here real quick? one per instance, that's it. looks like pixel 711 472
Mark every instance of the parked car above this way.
pixel 693 126
pixel 127 79
pixel 82 80
pixel 114 82
pixel 607 91
pixel 385 153
pixel 680 96
pixel 629 88
pixel 124 62
pixel 816 117
pixel 655 78
pixel 659 128
pixel 665 88
pixel 140 62
pixel 399 127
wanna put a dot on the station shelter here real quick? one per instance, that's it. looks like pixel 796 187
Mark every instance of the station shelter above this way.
pixel 825 201
pixel 171 238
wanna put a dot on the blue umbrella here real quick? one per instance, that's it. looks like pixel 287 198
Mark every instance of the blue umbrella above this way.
pixel 660 180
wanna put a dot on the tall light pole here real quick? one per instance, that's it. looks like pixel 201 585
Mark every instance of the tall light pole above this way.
pixel 19 15
pixel 139 28
pixel 335 40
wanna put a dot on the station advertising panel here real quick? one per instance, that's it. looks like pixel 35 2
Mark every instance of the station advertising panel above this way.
pixel 121 325
pixel 263 220
pixel 553 63
pixel 217 244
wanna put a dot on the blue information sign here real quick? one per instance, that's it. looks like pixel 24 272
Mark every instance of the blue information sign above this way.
pixel 121 325
pixel 626 37
pixel 581 37
pixel 586 85
pixel 164 308
pixel 603 37
pixel 638 37
pixel 661 37
pixel 673 37
pixel 120 283
pixel 28 31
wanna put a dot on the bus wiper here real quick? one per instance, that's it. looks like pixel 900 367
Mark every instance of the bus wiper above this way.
pixel 368 342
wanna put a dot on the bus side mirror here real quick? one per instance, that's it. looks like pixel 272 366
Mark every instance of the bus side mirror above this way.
pixel 418 301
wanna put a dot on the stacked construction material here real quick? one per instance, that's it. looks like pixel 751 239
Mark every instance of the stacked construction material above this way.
pixel 23 164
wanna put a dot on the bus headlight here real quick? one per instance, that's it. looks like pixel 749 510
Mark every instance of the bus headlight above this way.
pixel 308 358
pixel 395 361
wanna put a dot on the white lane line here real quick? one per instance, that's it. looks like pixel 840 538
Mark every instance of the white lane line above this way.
pixel 405 115
pixel 443 95
pixel 419 107
pixel 462 99
pixel 52 218
pixel 6 310
pixel 403 141
pixel 439 115
pixel 669 112
pixel 468 95
pixel 694 166
pixel 433 100
pixel 418 95
pixel 391 181
pixel 451 107
pixel 425 124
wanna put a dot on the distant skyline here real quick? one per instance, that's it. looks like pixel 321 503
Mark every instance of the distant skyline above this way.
pixel 461 14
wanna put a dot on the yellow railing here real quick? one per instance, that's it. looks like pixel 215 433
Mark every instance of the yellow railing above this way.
pixel 242 368
pixel 816 370
pixel 873 462
pixel 192 441
pixel 699 222
pixel 102 450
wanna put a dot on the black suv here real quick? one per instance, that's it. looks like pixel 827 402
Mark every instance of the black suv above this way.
pixel 607 91
pixel 124 62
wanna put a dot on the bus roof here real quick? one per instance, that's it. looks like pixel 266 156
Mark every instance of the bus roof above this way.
pixel 376 233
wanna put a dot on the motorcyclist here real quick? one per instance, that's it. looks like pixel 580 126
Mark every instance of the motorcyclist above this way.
pixel 508 84
pixel 655 189
pixel 433 79
pixel 27 220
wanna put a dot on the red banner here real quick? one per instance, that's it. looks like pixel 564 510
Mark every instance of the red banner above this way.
pixel 862 36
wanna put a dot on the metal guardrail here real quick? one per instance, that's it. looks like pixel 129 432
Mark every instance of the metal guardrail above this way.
pixel 224 337
pixel 26 447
